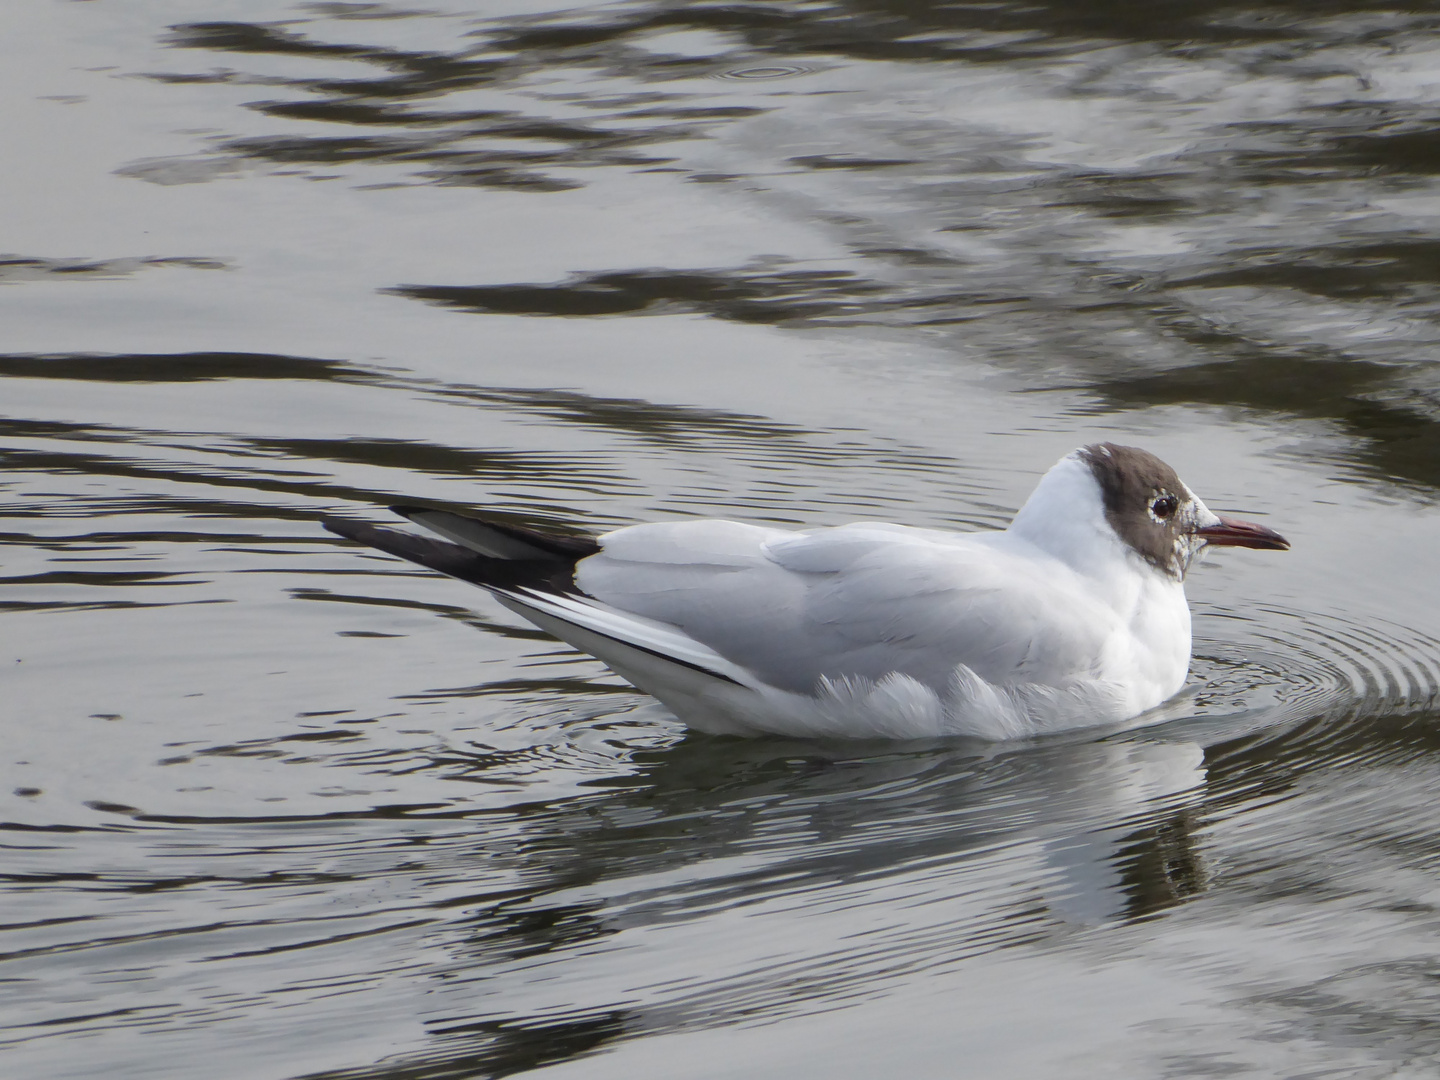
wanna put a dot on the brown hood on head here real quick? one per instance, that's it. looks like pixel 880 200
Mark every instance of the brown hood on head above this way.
pixel 1157 516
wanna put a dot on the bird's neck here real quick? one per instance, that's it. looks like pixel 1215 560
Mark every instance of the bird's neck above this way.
pixel 1065 518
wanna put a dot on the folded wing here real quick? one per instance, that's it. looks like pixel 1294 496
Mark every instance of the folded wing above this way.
pixel 860 601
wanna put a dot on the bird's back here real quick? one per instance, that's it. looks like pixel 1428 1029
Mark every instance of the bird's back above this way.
pixel 860 601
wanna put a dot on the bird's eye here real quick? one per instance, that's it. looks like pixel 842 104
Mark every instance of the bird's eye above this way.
pixel 1164 507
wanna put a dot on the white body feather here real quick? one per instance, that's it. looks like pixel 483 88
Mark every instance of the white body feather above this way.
pixel 882 630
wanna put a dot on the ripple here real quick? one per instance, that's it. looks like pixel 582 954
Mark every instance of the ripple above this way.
pixel 1313 663
pixel 1295 691
pixel 1388 665
pixel 758 72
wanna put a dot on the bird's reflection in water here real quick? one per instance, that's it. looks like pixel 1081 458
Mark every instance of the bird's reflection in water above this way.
pixel 838 871
pixel 500 1048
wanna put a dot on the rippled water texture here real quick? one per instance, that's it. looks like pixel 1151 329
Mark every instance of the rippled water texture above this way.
pixel 276 806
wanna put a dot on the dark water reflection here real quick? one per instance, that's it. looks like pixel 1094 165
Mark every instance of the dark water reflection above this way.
pixel 291 805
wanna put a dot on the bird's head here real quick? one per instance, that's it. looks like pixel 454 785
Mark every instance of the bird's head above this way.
pixel 1157 516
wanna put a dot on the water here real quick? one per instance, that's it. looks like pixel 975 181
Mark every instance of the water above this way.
pixel 293 809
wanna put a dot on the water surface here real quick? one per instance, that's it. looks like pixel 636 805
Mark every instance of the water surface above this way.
pixel 309 812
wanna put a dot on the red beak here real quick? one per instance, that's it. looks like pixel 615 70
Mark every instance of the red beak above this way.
pixel 1232 532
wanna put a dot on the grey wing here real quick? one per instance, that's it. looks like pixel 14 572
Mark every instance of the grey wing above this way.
pixel 857 601
pixel 711 579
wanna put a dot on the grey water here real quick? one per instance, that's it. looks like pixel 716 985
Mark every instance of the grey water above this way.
pixel 275 806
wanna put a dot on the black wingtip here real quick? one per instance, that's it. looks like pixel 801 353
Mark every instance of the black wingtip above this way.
pixel 408 546
pixel 538 543
pixel 547 573
pixel 342 527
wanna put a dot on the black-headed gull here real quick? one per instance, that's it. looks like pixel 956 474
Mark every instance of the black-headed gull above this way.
pixel 1075 615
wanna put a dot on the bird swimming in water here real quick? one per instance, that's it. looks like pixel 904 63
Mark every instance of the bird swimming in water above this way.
pixel 1075 615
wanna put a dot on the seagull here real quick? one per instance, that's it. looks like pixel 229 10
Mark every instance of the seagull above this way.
pixel 1073 616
